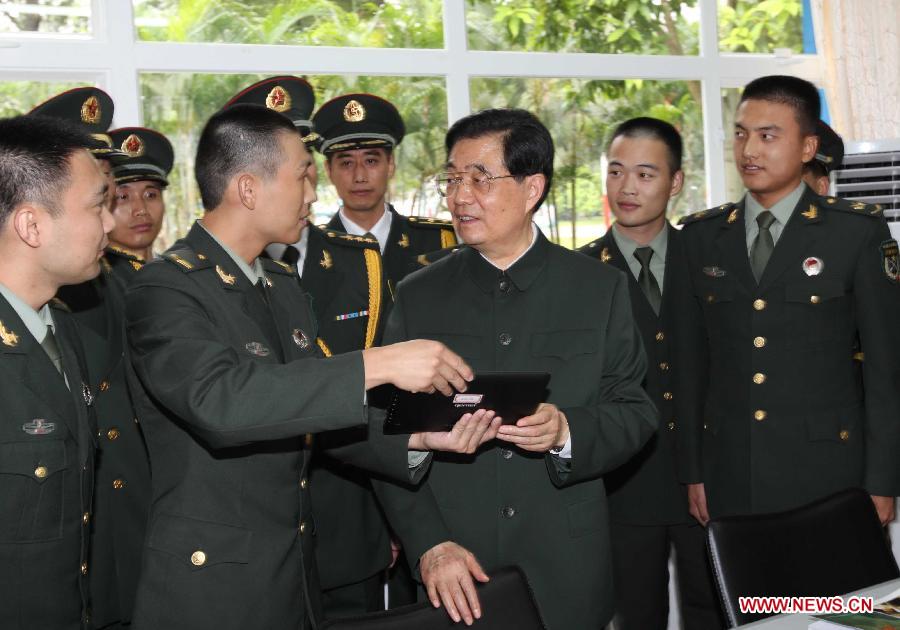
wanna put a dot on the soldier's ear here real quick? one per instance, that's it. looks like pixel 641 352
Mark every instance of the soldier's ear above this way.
pixel 27 221
pixel 247 190
pixel 810 146
pixel 677 183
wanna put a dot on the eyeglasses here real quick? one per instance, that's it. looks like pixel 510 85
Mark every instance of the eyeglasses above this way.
pixel 478 182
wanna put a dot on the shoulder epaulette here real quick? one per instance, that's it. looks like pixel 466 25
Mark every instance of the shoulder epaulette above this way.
pixel 118 251
pixel 276 266
pixel 431 257
pixel 59 304
pixel 431 222
pixel 591 248
pixel 342 238
pixel 709 213
pixel 186 259
pixel 853 207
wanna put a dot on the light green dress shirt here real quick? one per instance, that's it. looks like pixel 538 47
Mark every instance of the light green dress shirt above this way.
pixel 781 210
pixel 659 245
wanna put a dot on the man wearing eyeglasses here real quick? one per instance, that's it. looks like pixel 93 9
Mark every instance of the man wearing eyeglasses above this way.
pixel 509 300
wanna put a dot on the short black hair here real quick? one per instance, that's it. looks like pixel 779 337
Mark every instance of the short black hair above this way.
pixel 34 161
pixel 799 94
pixel 646 127
pixel 240 138
pixel 815 168
pixel 527 144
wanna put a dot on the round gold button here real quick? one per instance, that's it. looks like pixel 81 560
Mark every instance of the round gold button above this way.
pixel 112 434
pixel 86 517
pixel 118 484
pixel 664 366
pixel 104 386
pixel 710 298
pixel 198 558
pixel 759 304
pixel 302 527
pixel 667 396
pixel 814 299
pixel 309 439
pixel 84 568
pixel 759 342
pixel 660 336
pixel 759 378
pixel 304 483
pixel 759 415
pixel 671 426
pixel 845 435
pixel 40 472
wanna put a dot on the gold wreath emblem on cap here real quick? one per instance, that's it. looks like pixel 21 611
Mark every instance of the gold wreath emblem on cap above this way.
pixel 354 111
pixel 102 137
pixel 278 99
pixel 90 111
pixel 133 146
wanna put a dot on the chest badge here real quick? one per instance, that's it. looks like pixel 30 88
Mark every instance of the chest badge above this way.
pixel 715 272
pixel 890 256
pixel 257 349
pixel 39 426
pixel 813 266
pixel 300 338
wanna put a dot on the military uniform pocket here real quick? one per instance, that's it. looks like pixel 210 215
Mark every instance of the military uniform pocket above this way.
pixel 32 485
pixel 817 311
pixel 200 544
pixel 564 344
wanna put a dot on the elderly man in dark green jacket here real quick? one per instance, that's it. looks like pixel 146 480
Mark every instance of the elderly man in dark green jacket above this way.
pixel 513 301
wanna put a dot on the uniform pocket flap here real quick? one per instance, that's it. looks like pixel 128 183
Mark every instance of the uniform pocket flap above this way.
pixel 200 543
pixel 839 425
pixel 38 459
pixel 813 291
pixel 564 343
pixel 712 290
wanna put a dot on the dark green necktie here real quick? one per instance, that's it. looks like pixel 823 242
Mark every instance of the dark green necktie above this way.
pixel 763 244
pixel 52 349
pixel 646 280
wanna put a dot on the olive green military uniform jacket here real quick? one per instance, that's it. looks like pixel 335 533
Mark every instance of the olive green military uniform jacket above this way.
pixel 409 238
pixel 353 542
pixel 776 406
pixel 226 391
pixel 46 478
pixel 646 490
pixel 122 476
pixel 556 311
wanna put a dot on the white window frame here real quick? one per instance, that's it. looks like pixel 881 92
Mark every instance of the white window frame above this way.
pixel 113 58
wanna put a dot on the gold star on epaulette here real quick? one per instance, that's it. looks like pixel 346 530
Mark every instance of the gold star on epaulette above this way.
pixel 858 205
pixel 181 261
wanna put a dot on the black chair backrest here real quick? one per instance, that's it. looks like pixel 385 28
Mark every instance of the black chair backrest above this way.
pixel 830 547
pixel 507 603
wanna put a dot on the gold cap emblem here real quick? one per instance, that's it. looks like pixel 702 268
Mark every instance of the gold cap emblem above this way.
pixel 90 111
pixel 278 99
pixel 354 111
pixel 133 146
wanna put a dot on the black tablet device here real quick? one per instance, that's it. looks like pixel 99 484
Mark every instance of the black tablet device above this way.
pixel 512 395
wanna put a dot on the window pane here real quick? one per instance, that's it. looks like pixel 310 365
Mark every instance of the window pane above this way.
pixel 580 115
pixel 733 186
pixel 178 105
pixel 760 26
pixel 62 17
pixel 20 97
pixel 659 27
pixel 383 24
